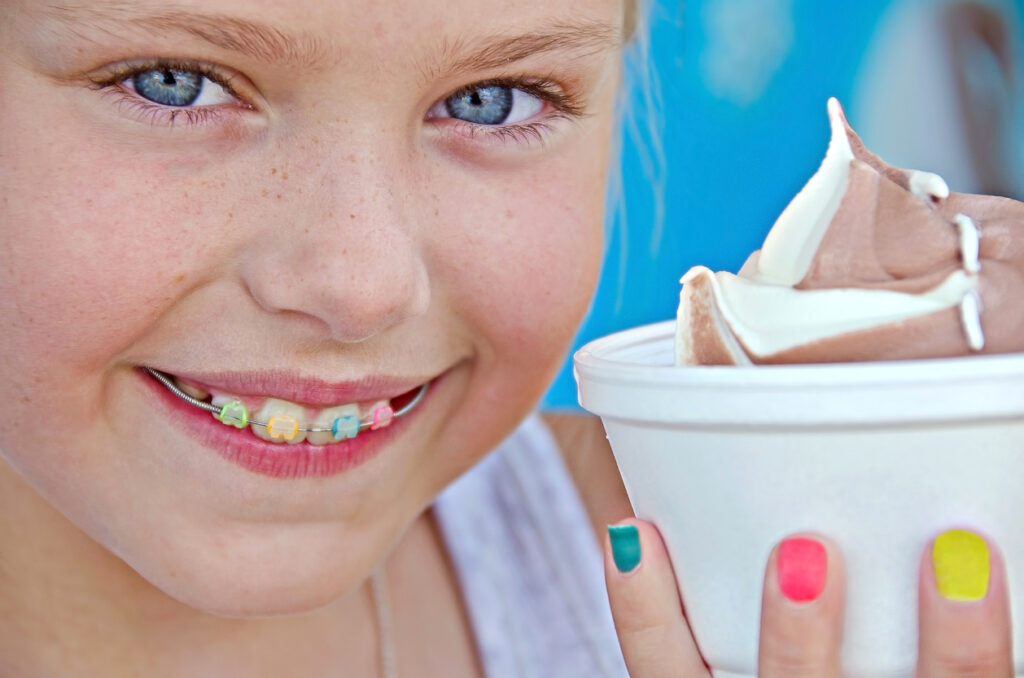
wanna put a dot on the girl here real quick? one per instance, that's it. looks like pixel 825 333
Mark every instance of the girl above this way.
pixel 275 275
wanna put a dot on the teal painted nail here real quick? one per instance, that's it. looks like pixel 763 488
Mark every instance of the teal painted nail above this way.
pixel 625 546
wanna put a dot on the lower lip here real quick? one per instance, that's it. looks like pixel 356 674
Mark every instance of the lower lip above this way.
pixel 279 460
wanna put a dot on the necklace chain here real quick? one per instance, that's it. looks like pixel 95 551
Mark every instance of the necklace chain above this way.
pixel 385 628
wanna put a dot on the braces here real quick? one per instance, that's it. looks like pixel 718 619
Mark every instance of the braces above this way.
pixel 285 427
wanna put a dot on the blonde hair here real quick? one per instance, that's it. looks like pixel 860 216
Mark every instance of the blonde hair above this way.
pixel 638 111
pixel 629 21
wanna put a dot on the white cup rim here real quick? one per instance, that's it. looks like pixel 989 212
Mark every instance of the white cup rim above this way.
pixel 614 372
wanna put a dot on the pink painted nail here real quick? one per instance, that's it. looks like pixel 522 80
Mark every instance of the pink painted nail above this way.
pixel 802 565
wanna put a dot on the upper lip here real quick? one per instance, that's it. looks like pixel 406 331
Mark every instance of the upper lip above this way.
pixel 306 390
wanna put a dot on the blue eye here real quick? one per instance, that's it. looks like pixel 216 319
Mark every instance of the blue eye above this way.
pixel 481 105
pixel 489 104
pixel 177 87
pixel 168 86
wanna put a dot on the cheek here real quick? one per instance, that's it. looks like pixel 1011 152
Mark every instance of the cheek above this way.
pixel 84 271
pixel 544 276
pixel 527 258
pixel 83 265
pixel 96 243
pixel 515 269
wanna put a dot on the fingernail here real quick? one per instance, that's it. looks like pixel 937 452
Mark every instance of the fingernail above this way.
pixel 625 546
pixel 960 563
pixel 801 566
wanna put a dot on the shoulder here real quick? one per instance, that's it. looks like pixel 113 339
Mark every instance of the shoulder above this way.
pixel 588 458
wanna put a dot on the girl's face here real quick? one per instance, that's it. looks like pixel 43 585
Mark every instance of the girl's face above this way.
pixel 325 203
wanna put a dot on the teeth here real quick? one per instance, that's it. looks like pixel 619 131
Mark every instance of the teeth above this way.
pixel 282 419
pixel 326 419
pixel 221 400
pixel 197 393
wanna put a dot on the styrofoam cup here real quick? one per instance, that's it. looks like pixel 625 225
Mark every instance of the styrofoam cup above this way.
pixel 880 457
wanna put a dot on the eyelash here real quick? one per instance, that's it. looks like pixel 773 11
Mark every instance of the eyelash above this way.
pixel 565 105
pixel 167 115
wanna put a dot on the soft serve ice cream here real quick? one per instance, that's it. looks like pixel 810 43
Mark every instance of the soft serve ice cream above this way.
pixel 868 262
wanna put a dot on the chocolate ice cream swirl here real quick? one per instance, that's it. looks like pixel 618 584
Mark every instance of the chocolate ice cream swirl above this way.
pixel 868 262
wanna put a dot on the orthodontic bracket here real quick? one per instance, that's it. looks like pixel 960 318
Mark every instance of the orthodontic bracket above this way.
pixel 285 427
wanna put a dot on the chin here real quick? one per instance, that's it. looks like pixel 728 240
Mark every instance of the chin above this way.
pixel 283 581
pixel 230 595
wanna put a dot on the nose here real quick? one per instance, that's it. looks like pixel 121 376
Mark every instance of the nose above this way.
pixel 348 258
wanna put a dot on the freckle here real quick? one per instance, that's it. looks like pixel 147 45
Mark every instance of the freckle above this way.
pixel 231 215
pixel 284 176
pixel 351 158
pixel 273 170
pixel 351 216
pixel 278 196
pixel 264 193
pixel 178 278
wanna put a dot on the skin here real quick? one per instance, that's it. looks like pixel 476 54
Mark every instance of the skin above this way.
pixel 328 226
pixel 324 224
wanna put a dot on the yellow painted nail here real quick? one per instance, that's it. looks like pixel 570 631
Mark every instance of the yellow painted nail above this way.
pixel 960 563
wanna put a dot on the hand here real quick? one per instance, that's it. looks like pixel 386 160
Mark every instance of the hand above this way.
pixel 798 638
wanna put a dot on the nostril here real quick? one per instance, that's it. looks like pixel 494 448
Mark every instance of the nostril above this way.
pixel 351 296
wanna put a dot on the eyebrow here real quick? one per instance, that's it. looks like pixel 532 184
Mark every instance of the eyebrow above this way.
pixel 250 38
pixel 266 43
pixel 498 51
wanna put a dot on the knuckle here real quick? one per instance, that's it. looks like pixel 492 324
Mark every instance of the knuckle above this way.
pixel 795 660
pixel 642 628
pixel 649 642
pixel 957 659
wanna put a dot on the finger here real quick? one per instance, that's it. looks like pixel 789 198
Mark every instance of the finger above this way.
pixel 963 609
pixel 802 610
pixel 656 641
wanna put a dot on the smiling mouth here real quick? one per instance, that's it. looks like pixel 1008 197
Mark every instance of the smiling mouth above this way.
pixel 281 421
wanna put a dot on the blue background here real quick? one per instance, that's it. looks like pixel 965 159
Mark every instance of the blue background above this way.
pixel 731 166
